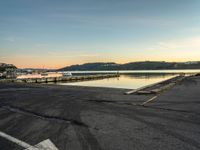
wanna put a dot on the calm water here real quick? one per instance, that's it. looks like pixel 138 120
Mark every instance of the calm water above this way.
pixel 143 71
pixel 130 81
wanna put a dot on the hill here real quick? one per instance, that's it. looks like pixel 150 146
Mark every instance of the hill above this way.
pixel 145 65
pixel 91 66
pixel 4 66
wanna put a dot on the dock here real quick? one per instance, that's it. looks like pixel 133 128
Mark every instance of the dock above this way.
pixel 62 78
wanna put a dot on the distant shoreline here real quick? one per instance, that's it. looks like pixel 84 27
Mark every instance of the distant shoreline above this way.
pixel 140 71
pixel 146 65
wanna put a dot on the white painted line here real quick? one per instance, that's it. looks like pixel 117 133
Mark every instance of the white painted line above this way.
pixel 44 145
pixel 151 99
pixel 14 140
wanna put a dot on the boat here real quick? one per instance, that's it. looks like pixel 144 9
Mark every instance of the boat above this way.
pixel 44 74
pixel 1 75
pixel 66 74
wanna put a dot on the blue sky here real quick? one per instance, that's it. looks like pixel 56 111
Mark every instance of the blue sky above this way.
pixel 56 33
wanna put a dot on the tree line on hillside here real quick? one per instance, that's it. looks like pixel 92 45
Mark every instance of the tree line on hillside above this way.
pixel 4 67
pixel 145 65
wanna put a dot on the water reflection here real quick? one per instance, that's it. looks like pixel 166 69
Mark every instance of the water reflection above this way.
pixel 148 75
pixel 128 81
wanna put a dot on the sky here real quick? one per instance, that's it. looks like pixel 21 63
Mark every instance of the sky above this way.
pixel 58 33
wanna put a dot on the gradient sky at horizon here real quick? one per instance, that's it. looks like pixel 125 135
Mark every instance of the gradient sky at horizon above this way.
pixel 57 33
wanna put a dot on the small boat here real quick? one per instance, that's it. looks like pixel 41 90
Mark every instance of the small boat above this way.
pixel 44 74
pixel 65 74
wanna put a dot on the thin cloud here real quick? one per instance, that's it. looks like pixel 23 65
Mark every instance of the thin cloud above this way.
pixel 10 39
pixel 41 45
pixel 114 20
pixel 3 57
pixel 192 43
pixel 70 55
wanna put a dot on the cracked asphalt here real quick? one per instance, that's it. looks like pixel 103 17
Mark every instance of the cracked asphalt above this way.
pixel 89 118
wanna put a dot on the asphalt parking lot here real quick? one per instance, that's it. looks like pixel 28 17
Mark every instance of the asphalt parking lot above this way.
pixel 88 118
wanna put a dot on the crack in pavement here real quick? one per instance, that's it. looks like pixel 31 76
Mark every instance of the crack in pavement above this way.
pixel 41 116
pixel 86 139
pixel 143 105
pixel 169 109
pixel 138 116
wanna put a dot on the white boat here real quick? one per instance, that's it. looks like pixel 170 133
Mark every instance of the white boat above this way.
pixel 65 74
pixel 44 74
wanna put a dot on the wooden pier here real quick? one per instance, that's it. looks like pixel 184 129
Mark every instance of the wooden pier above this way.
pixel 62 78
